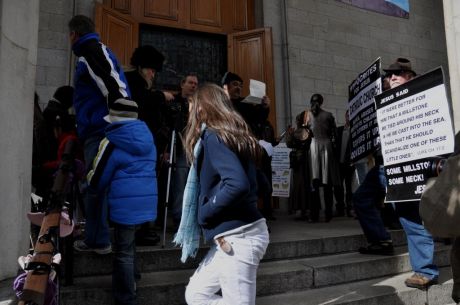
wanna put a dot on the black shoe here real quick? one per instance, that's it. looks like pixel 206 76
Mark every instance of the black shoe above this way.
pixel 394 226
pixel 381 248
pixel 147 239
pixel 301 218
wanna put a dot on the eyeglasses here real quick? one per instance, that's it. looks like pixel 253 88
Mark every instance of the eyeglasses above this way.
pixel 395 72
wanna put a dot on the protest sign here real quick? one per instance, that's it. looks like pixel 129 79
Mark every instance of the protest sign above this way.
pixel 281 172
pixel 415 127
pixel 363 122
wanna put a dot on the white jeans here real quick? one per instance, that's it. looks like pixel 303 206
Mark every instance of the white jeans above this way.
pixel 234 273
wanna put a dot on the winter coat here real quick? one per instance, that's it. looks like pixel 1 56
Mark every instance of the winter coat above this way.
pixel 228 188
pixel 324 165
pixel 125 168
pixel 99 81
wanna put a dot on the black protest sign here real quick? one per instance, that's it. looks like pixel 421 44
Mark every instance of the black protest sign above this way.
pixel 363 120
pixel 415 127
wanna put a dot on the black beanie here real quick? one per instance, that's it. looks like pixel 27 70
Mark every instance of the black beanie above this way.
pixel 64 95
pixel 230 77
pixel 147 57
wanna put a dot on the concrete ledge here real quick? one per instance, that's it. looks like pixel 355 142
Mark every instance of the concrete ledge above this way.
pixel 388 290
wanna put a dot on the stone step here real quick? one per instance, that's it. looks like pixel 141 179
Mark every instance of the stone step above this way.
pixel 274 277
pixel 388 290
pixel 152 259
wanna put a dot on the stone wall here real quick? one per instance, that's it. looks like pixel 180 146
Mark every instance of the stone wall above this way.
pixel 18 59
pixel 452 26
pixel 329 43
pixel 55 64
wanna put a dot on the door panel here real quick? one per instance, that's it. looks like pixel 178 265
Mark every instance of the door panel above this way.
pixel 119 32
pixel 162 9
pixel 123 6
pixel 250 56
pixel 206 12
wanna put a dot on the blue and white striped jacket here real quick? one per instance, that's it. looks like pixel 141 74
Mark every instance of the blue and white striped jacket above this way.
pixel 99 81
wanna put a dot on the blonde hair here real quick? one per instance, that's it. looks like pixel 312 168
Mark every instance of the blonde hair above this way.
pixel 211 105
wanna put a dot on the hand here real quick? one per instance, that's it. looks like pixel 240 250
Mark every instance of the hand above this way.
pixel 168 96
pixel 266 102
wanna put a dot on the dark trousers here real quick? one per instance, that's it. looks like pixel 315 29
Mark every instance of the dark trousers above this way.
pixel 346 175
pixel 124 270
pixel 316 200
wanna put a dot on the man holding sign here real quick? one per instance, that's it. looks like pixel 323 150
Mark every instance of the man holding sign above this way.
pixel 420 242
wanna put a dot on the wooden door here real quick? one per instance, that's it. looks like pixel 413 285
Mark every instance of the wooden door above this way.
pixel 250 56
pixel 118 31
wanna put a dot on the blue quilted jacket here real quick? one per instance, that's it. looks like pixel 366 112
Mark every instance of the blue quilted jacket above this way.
pixel 125 168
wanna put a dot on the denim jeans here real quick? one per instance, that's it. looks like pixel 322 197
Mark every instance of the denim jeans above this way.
pixel 124 272
pixel 371 191
pixel 419 240
pixel 234 273
pixel 178 181
pixel 96 225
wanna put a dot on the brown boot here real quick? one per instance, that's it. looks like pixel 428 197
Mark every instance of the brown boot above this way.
pixel 419 281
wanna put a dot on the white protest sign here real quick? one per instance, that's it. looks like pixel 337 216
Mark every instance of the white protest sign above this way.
pixel 281 172
pixel 415 126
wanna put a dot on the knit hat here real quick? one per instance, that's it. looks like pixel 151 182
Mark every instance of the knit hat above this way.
pixel 147 57
pixel 64 95
pixel 122 110
pixel 230 77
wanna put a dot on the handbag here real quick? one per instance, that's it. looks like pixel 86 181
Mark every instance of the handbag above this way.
pixel 440 202
pixel 302 133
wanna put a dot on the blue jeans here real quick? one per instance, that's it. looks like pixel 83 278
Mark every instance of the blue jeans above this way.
pixel 419 240
pixel 178 181
pixel 124 271
pixel 96 225
pixel 371 191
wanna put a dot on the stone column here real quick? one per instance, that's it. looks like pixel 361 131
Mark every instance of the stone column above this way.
pixel 452 27
pixel 18 59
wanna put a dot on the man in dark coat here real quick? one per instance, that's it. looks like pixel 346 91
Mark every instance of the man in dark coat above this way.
pixel 147 61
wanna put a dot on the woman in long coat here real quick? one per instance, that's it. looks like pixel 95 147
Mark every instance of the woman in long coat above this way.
pixel 300 164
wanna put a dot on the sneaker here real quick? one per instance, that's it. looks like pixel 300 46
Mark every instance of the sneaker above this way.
pixel 419 281
pixel 81 246
pixel 380 248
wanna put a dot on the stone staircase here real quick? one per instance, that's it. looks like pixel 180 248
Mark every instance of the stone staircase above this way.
pixel 304 264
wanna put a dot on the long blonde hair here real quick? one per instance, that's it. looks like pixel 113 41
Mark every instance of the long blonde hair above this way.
pixel 212 106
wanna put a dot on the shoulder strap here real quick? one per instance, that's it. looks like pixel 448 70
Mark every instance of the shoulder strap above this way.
pixel 306 118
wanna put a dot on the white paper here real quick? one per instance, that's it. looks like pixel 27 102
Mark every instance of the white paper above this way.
pixel 257 90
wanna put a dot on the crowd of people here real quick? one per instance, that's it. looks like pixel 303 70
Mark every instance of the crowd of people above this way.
pixel 132 134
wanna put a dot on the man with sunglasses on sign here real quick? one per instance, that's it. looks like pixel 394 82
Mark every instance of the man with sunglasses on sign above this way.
pixel 371 194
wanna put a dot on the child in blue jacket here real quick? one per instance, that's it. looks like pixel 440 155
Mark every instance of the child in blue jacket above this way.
pixel 124 168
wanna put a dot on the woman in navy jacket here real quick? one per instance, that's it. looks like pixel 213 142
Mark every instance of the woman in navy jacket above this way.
pixel 227 211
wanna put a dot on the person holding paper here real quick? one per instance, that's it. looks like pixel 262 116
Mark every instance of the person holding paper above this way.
pixel 373 188
pixel 255 115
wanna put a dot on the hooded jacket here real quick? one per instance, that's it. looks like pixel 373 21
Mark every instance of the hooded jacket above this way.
pixel 125 167
pixel 99 81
